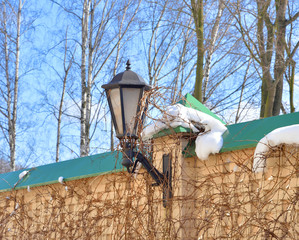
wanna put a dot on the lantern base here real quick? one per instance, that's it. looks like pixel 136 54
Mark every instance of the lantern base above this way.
pixel 128 162
pixel 128 155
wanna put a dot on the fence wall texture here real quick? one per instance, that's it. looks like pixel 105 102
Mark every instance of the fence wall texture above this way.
pixel 220 198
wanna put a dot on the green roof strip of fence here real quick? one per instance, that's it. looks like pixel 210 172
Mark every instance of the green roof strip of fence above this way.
pixel 170 131
pixel 247 134
pixel 78 168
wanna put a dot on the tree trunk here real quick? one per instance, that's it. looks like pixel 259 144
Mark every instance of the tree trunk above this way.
pixel 9 97
pixel 270 100
pixel 12 82
pixel 264 94
pixel 265 45
pixel 291 84
pixel 84 104
pixel 60 112
pixel 214 34
pixel 16 89
pixel 280 64
pixel 197 12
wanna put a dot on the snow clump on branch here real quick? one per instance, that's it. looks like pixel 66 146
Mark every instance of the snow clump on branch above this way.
pixel 23 174
pixel 61 179
pixel 209 140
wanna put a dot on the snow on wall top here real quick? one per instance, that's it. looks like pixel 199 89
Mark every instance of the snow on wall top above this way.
pixel 207 142
pixel 287 135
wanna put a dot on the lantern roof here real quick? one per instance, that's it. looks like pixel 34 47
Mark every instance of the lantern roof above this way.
pixel 127 78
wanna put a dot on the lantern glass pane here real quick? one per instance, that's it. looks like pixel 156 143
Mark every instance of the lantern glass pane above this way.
pixel 116 105
pixel 131 100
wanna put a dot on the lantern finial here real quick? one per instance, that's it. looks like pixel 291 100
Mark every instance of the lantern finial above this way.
pixel 128 65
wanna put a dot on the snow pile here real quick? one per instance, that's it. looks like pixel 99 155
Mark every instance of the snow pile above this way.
pixel 23 174
pixel 60 179
pixel 287 135
pixel 207 142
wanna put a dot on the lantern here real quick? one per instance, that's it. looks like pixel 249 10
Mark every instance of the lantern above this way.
pixel 124 93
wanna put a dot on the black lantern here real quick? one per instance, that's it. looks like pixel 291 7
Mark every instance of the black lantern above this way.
pixel 124 94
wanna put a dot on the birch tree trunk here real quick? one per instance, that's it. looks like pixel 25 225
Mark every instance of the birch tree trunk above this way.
pixel 9 94
pixel 11 65
pixel 84 88
pixel 16 91
pixel 210 50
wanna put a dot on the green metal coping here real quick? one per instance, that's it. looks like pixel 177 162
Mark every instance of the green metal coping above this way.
pixel 78 168
pixel 169 131
pixel 247 134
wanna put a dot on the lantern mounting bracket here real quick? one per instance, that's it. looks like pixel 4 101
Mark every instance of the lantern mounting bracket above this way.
pixel 129 153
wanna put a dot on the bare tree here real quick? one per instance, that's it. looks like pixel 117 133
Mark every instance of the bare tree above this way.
pixel 265 39
pixel 162 39
pixel 184 66
pixel 167 38
pixel 10 46
pixel 98 43
pixel 196 35
pixel 66 67
pixel 217 54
